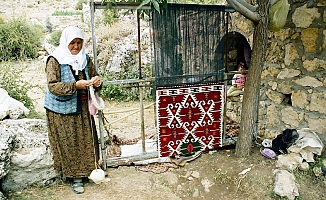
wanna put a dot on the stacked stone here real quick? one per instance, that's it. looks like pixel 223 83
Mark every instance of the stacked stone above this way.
pixel 293 84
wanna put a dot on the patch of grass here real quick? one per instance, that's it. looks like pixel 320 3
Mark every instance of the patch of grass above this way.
pixel 318 163
pixel 278 197
pixel 190 192
pixel 33 193
pixel 309 183
pixel 66 13
pixel 163 181
pixel 19 197
pixel 222 176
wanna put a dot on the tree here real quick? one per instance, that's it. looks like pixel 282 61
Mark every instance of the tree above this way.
pixel 249 116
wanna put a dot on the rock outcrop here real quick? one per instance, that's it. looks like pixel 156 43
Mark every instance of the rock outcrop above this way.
pixel 25 155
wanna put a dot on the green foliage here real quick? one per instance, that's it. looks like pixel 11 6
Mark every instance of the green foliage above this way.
pixel 113 92
pixel 164 3
pixel 48 25
pixel 116 91
pixel 278 197
pixel 11 81
pixel 318 163
pixel 55 38
pixel 65 13
pixel 125 92
pixel 79 5
pixel 109 16
pixel 209 2
pixel 18 40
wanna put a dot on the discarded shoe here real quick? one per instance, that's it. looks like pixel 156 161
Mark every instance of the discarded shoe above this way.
pixel 182 160
pixel 268 153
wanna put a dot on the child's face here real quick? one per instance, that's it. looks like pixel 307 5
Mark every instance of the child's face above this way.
pixel 242 67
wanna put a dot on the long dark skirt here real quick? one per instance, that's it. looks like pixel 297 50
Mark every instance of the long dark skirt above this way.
pixel 74 145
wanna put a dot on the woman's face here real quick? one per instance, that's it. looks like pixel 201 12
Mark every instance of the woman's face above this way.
pixel 75 46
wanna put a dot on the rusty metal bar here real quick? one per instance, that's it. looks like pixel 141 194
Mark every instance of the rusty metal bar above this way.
pixel 122 5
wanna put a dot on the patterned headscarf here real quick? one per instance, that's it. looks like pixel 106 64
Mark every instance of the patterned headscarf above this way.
pixel 62 53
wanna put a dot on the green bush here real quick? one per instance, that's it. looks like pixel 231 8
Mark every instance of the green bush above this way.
pixel 124 92
pixel 18 40
pixel 113 92
pixel 11 81
pixel 109 16
pixel 79 5
pixel 55 38
pixel 48 25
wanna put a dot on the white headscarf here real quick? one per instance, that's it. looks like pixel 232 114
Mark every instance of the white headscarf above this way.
pixel 62 53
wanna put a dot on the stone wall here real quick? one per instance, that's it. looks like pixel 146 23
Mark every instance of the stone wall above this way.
pixel 293 87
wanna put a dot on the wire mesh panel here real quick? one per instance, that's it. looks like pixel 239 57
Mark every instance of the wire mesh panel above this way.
pixel 188 44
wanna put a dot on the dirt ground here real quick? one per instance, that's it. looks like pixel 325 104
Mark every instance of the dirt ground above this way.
pixel 213 175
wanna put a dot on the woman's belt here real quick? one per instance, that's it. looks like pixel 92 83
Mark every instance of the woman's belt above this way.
pixel 84 97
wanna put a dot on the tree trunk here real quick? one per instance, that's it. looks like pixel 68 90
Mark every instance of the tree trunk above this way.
pixel 250 104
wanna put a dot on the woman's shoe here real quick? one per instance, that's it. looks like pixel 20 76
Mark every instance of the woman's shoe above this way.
pixel 77 187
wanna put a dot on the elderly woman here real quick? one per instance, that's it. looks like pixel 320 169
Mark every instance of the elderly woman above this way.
pixel 72 131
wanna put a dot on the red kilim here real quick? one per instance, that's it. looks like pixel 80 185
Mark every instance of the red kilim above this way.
pixel 189 118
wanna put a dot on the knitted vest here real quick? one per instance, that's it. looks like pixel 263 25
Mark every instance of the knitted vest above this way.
pixel 63 104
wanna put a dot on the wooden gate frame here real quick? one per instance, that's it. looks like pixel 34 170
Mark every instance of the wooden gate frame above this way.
pixel 145 157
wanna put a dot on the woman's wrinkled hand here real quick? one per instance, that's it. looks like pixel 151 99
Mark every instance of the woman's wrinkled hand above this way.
pixel 96 81
pixel 83 84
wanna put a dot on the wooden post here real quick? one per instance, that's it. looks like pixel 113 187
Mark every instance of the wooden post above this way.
pixel 102 146
pixel 141 105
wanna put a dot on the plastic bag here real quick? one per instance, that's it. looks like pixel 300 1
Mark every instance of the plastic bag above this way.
pixel 278 15
pixel 95 102
pixel 98 176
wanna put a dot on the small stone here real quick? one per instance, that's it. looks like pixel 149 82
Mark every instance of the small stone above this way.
pixel 304 166
pixel 195 174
